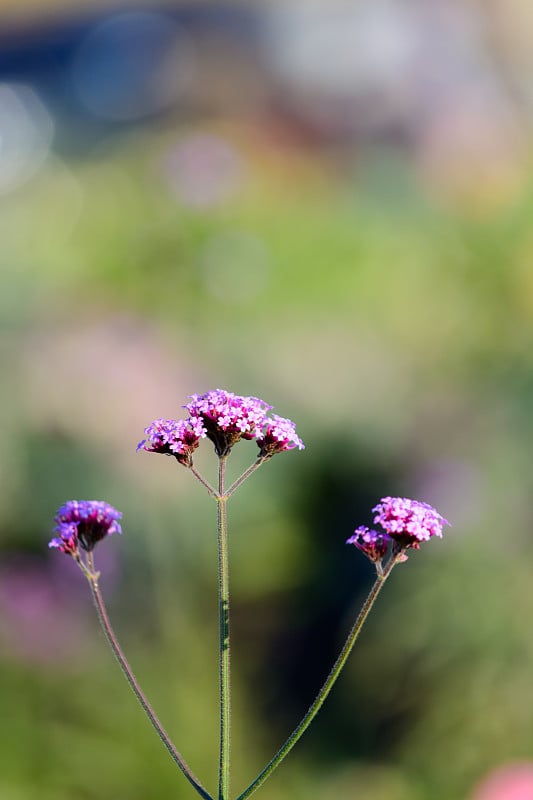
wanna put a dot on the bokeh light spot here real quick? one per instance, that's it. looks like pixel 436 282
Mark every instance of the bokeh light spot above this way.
pixel 26 132
pixel 132 65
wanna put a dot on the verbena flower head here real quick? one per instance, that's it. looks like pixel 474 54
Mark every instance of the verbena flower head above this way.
pixel 408 522
pixel 84 523
pixel 228 417
pixel 174 437
pixel 278 434
pixel 372 543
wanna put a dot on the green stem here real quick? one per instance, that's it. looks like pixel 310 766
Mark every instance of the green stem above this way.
pixel 224 636
pixel 132 681
pixel 328 684
pixel 245 474
pixel 203 481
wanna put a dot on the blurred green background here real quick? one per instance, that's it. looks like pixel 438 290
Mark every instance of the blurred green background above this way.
pixel 328 205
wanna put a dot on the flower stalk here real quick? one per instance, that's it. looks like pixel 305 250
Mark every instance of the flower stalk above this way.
pixel 334 673
pixel 224 636
pixel 246 474
pixel 134 685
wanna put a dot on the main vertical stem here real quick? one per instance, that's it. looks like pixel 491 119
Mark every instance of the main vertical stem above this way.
pixel 224 640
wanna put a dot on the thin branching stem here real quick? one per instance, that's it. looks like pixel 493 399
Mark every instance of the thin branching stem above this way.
pixel 132 681
pixel 203 481
pixel 246 474
pixel 326 688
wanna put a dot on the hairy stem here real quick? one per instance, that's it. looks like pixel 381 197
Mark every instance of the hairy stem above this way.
pixel 326 688
pixel 245 474
pixel 133 684
pixel 203 481
pixel 224 637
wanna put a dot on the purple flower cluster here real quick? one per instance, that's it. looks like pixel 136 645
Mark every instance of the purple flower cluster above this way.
pixel 83 523
pixel 372 543
pixel 228 417
pixel 224 418
pixel 406 523
pixel 228 411
pixel 278 434
pixel 174 437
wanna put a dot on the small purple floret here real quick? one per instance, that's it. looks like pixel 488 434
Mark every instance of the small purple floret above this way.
pixel 372 543
pixel 84 523
pixel 67 541
pixel 278 434
pixel 174 437
pixel 408 522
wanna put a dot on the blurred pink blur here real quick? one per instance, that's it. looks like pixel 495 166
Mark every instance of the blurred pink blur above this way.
pixel 510 782
pixel 40 611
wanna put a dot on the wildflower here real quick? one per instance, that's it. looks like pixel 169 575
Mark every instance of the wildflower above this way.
pixel 408 522
pixel 228 417
pixel 372 543
pixel 84 523
pixel 278 434
pixel 174 437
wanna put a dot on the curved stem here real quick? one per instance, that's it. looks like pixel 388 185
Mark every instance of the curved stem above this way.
pixel 134 686
pixel 224 637
pixel 327 686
